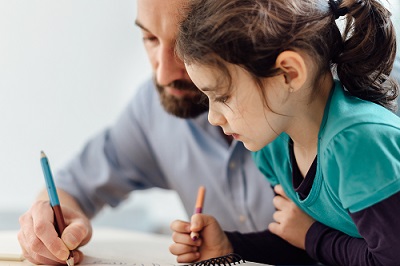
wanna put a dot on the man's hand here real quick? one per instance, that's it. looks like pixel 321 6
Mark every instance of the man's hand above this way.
pixel 38 238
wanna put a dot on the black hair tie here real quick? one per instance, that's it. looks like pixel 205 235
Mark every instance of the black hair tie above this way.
pixel 338 12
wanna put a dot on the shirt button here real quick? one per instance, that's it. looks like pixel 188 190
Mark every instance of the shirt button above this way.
pixel 242 218
pixel 232 165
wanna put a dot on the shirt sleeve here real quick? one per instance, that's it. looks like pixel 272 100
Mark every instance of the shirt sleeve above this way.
pixel 363 164
pixel 115 161
pixel 266 247
pixel 379 226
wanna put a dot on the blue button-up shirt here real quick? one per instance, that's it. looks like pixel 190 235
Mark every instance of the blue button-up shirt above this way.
pixel 148 147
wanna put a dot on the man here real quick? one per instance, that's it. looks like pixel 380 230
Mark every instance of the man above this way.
pixel 151 145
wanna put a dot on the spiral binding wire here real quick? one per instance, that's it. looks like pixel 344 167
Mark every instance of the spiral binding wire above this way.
pixel 229 259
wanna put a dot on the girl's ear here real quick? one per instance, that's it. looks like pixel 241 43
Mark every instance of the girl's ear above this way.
pixel 294 69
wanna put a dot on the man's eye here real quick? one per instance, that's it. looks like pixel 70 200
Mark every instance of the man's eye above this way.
pixel 150 39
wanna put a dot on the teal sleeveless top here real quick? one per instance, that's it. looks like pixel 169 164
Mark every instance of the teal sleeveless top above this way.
pixel 358 161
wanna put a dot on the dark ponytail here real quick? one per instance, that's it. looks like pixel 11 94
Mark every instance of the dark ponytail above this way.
pixel 252 33
pixel 367 53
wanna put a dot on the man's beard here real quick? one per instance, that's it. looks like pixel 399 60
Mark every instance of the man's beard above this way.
pixel 185 107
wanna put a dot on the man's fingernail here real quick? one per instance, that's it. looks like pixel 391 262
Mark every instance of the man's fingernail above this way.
pixel 62 254
pixel 70 241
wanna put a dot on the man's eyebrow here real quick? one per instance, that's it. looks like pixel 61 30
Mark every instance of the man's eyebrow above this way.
pixel 140 25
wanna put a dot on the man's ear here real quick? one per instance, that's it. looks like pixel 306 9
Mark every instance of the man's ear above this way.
pixel 294 69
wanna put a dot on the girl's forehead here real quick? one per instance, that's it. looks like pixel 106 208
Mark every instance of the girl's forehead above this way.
pixel 211 78
pixel 201 72
pixel 203 76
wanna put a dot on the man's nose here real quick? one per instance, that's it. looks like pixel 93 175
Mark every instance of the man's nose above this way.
pixel 169 67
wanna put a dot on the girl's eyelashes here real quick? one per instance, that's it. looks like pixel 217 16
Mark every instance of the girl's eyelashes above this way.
pixel 222 99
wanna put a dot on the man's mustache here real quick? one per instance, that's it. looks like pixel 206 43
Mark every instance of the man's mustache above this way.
pixel 183 85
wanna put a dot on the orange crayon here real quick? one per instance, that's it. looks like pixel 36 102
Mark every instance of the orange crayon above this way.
pixel 198 208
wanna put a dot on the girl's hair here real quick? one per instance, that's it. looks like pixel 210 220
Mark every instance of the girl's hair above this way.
pixel 252 33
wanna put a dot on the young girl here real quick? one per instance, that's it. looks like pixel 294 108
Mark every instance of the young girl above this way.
pixel 330 146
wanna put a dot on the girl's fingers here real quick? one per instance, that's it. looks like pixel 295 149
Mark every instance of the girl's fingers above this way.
pixel 189 257
pixel 180 249
pixel 279 190
pixel 185 239
pixel 184 253
pixel 180 226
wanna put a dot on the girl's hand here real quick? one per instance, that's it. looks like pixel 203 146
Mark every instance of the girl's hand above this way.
pixel 212 241
pixel 291 223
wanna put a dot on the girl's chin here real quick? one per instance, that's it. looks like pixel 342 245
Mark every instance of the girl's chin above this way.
pixel 251 147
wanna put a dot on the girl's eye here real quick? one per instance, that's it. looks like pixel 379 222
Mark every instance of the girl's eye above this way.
pixel 222 99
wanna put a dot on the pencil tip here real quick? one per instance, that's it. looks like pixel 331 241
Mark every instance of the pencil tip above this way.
pixel 42 154
pixel 70 261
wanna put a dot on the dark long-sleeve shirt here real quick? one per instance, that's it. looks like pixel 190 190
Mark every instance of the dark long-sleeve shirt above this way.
pixel 379 226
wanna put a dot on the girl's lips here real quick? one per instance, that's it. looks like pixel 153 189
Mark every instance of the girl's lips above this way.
pixel 235 136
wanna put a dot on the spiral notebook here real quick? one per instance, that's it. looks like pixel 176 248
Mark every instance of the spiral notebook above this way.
pixel 228 260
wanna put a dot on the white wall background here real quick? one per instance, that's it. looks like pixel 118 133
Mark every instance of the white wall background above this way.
pixel 67 68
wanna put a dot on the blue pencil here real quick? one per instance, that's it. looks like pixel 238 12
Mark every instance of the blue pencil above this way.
pixel 59 222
